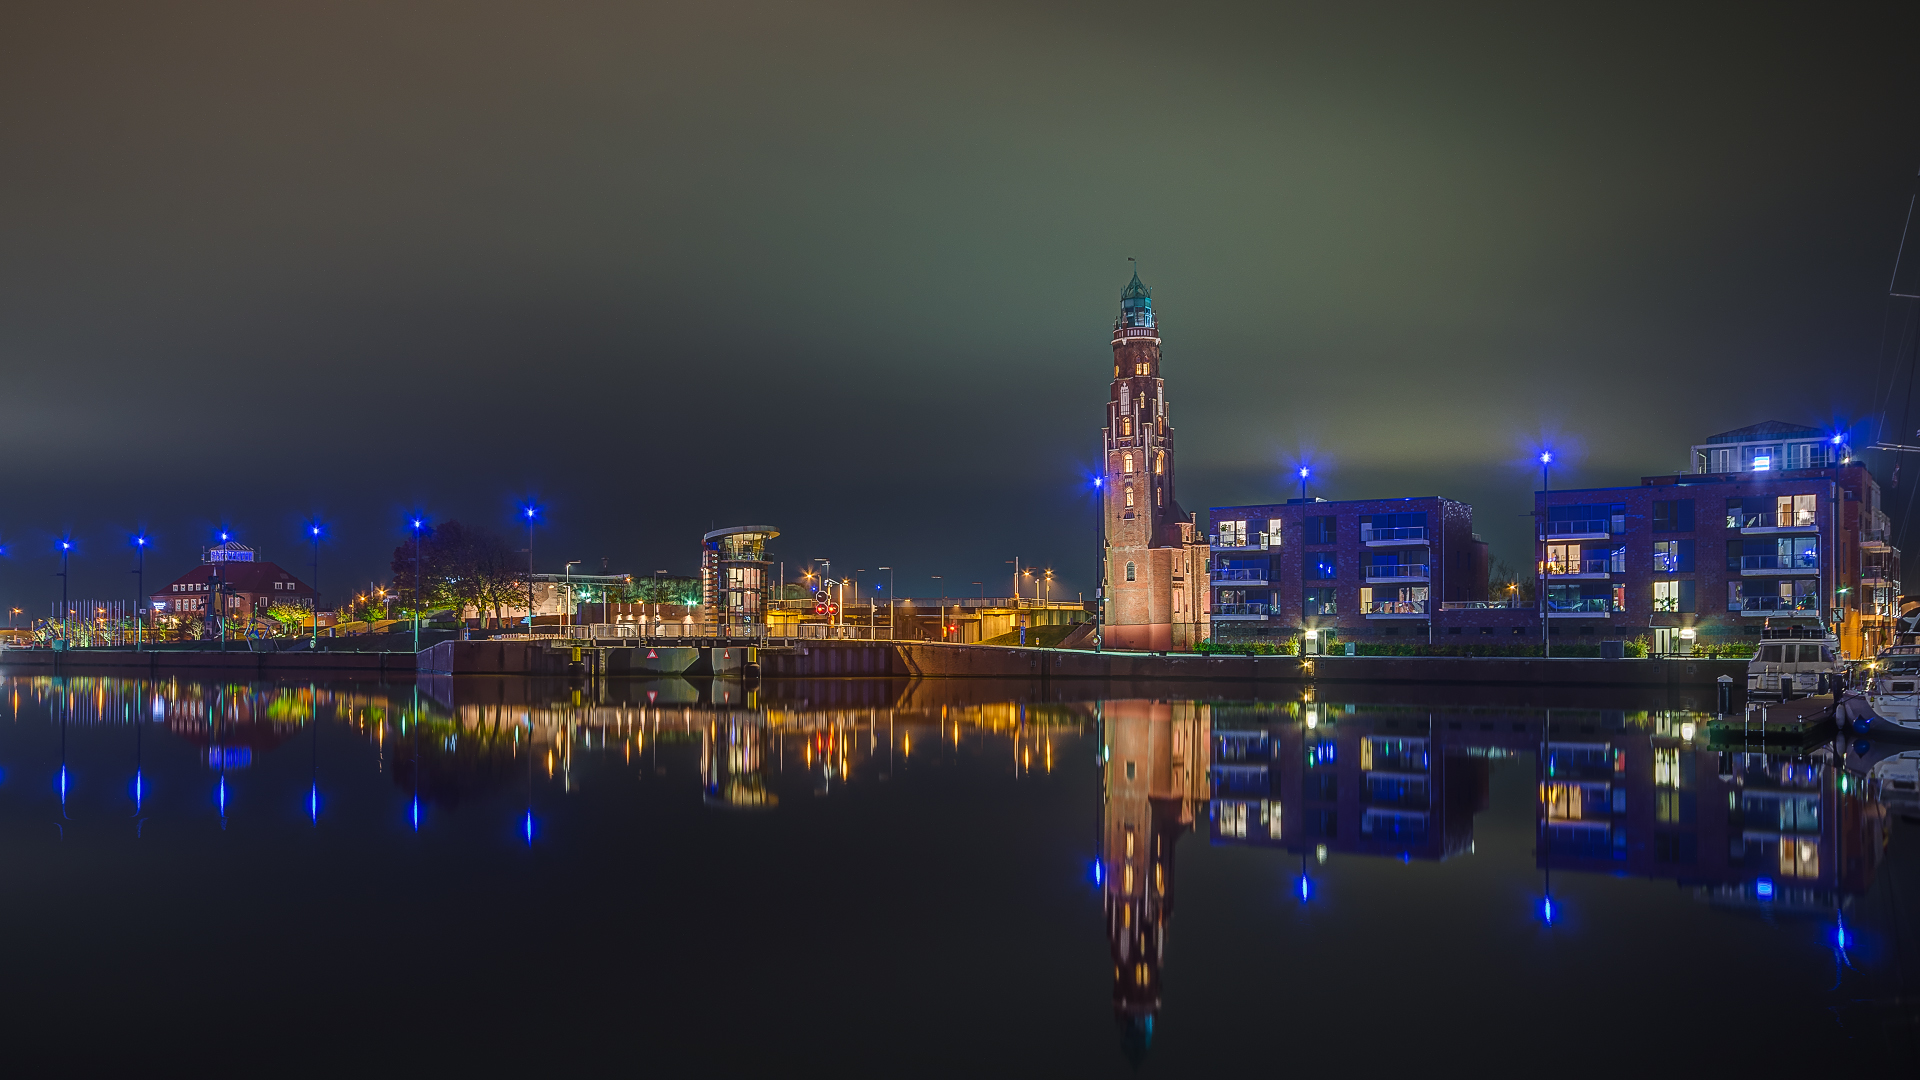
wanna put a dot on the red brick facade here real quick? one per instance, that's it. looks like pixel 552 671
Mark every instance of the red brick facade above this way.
pixel 1155 589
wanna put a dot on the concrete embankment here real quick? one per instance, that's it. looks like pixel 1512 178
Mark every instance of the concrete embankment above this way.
pixel 860 659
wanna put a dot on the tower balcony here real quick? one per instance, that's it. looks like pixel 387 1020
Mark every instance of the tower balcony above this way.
pixel 1124 334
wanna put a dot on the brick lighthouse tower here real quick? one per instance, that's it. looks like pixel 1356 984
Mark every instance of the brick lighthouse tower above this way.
pixel 1155 587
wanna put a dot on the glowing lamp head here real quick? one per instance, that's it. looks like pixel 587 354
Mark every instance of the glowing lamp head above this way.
pixel 416 523
pixel 1546 457
pixel 1837 438
pixel 1303 472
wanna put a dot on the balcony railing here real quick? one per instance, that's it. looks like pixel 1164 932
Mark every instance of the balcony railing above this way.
pixel 1485 605
pixel 1779 603
pixel 1236 542
pixel 1240 575
pixel 1387 571
pixel 1805 560
pixel 1369 534
pixel 1565 567
pixel 1580 527
pixel 1790 519
pixel 1242 609
pixel 1585 605
pixel 1395 607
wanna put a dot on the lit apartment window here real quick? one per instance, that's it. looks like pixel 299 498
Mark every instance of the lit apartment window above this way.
pixel 1233 534
pixel 1794 511
pixel 1126 464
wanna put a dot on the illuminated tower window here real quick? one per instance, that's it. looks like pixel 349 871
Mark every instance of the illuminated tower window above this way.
pixel 1126 464
pixel 1129 497
pixel 1126 425
pixel 1159 463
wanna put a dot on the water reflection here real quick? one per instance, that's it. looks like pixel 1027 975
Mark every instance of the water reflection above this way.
pixel 1614 792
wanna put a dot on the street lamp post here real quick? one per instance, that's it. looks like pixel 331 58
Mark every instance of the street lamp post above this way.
pixel 1099 561
pixel 943 609
pixel 139 587
pixel 889 570
pixel 566 606
pixel 313 530
pixel 416 584
pixel 1546 462
pixel 66 547
pixel 1304 472
pixel 530 511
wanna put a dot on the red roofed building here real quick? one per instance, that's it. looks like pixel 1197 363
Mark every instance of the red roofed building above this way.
pixel 249 587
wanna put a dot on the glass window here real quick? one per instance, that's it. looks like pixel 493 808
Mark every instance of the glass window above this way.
pixel 1673 515
pixel 1666 596
pixel 1563 558
pixel 1273 532
pixel 1320 566
pixel 1126 464
pixel 1233 534
pixel 1129 496
pixel 1322 601
pixel 1320 530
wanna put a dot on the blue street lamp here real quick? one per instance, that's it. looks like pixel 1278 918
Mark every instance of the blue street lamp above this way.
pixel 1304 473
pixel 1546 463
pixel 140 588
pixel 531 511
pixel 416 613
pixel 66 548
pixel 313 533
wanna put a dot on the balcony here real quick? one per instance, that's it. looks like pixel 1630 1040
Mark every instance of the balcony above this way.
pixel 1762 565
pixel 1788 522
pixel 1412 534
pixel 1395 609
pixel 1577 568
pixel 1780 603
pixel 1238 612
pixel 1247 577
pixel 1392 572
pixel 1486 605
pixel 1580 529
pixel 1878 576
pixel 1583 606
pixel 1251 541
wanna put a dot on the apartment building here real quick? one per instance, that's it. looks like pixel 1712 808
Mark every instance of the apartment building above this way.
pixel 1341 569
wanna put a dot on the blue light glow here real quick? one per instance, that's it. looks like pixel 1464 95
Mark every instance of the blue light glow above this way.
pixel 313 803
pixel 1099 873
pixel 1840 936
pixel 1546 910
pixel 63 785
pixel 1837 438
pixel 1763 888
pixel 1304 888
pixel 416 813
pixel 529 828
pixel 1303 472
pixel 223 796
pixel 139 790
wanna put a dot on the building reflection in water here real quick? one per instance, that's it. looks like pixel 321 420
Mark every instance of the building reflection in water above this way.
pixel 1154 783
pixel 1637 793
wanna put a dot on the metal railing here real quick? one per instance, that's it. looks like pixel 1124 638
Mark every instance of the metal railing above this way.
pixel 1239 575
pixel 1395 607
pixel 1237 543
pixel 1242 609
pixel 1486 605
pixel 1388 571
pixel 1805 560
pixel 1369 534
pixel 1585 605
pixel 1565 567
pixel 1779 603
pixel 1580 527
pixel 1790 519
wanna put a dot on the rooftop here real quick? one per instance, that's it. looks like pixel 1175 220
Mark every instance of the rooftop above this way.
pixel 1767 429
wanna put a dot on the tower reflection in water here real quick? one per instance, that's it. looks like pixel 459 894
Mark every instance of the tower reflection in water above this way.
pixel 1633 793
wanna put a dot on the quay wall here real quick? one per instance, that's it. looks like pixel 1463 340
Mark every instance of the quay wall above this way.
pixel 895 659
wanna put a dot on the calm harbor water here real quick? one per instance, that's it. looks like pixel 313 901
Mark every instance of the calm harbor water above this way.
pixel 936 879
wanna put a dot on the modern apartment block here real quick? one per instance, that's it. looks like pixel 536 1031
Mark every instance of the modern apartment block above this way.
pixel 1793 535
pixel 1342 569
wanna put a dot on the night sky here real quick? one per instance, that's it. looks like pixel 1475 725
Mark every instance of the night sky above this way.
pixel 850 269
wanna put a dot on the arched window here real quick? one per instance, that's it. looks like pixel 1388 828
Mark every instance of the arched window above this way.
pixel 1129 571
pixel 1126 425
pixel 1159 462
pixel 1159 495
pixel 1129 496
pixel 1126 464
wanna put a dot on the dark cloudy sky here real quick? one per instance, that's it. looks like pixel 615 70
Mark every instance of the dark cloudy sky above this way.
pixel 850 269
